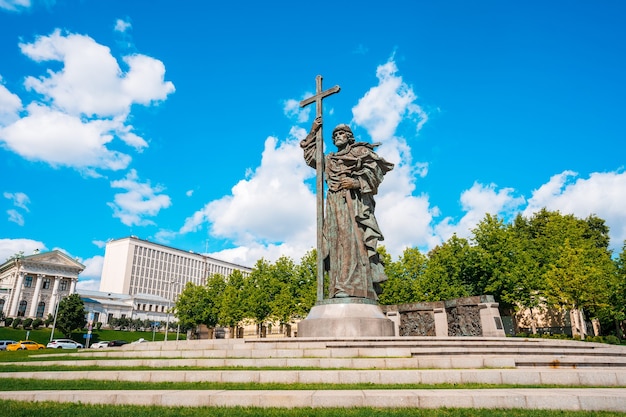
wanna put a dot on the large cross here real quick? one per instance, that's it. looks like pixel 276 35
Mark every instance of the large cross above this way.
pixel 319 170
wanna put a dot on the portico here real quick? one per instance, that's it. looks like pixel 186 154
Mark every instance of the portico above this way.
pixel 31 286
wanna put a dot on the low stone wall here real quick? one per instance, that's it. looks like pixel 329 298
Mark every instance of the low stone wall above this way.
pixel 467 316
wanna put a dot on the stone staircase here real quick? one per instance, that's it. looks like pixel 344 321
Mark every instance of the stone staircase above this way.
pixel 599 368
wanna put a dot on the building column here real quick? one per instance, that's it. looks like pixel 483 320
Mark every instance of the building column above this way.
pixel 490 320
pixel 55 296
pixel 35 300
pixel 17 294
pixel 73 285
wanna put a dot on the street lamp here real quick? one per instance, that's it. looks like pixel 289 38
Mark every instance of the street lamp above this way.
pixel 167 317
pixel 56 312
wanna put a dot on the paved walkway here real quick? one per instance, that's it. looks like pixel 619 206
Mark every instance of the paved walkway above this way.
pixel 589 399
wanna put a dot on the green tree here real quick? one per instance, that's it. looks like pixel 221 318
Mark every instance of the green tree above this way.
pixel 618 296
pixel 71 315
pixel 231 311
pixel 503 265
pixel 284 295
pixel 306 284
pixel 194 306
pixel 571 263
pixel 215 285
pixel 580 279
pixel 257 292
pixel 403 276
pixel 447 271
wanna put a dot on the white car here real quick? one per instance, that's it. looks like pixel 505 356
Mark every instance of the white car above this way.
pixel 101 344
pixel 64 344
pixel 5 343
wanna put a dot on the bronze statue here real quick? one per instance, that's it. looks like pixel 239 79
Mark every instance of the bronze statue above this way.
pixel 350 230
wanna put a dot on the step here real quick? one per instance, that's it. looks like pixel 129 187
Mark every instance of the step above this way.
pixel 563 377
pixel 601 399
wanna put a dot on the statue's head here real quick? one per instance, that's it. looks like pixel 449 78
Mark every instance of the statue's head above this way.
pixel 347 134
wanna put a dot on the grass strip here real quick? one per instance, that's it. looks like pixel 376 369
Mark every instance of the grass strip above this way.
pixel 18 384
pixel 51 409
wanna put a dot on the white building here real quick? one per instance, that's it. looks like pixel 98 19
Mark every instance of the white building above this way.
pixel 136 267
pixel 31 286
pixel 102 307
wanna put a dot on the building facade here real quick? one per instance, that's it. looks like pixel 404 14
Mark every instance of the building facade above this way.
pixel 31 286
pixel 135 267
pixel 102 307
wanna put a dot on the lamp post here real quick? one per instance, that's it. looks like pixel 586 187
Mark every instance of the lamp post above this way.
pixel 56 312
pixel 167 317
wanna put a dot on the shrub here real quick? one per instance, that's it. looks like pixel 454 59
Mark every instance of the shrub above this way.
pixel 612 340
pixel 26 324
pixel 37 323
pixel 8 321
pixel 16 322
pixel 98 325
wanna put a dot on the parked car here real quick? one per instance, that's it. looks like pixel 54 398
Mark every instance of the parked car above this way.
pixel 25 345
pixel 64 344
pixel 5 343
pixel 113 343
pixel 101 344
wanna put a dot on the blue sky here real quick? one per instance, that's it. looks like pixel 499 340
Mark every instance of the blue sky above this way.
pixel 178 122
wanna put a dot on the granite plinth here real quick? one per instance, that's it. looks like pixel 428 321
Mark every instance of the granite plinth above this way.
pixel 346 318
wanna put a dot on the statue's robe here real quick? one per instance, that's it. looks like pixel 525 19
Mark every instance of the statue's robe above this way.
pixel 351 232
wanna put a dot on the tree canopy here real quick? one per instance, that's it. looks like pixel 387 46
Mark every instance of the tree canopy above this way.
pixel 71 315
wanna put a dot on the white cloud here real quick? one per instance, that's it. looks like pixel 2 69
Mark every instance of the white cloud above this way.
pixel 383 107
pixel 10 106
pixel 122 25
pixel 60 139
pixel 99 243
pixel 15 5
pixel 19 199
pixel 15 217
pixel 476 202
pixel 273 206
pixel 84 106
pixel 10 247
pixel 139 201
pixel 602 194
pixel 91 81
pixel 93 266
pixel 292 109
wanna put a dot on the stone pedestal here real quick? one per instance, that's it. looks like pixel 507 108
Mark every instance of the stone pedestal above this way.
pixel 346 317
pixel 490 320
pixel 441 322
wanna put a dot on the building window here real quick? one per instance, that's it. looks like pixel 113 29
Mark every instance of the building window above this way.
pixel 40 309
pixel 63 285
pixel 28 282
pixel 46 283
pixel 1 305
pixel 21 311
